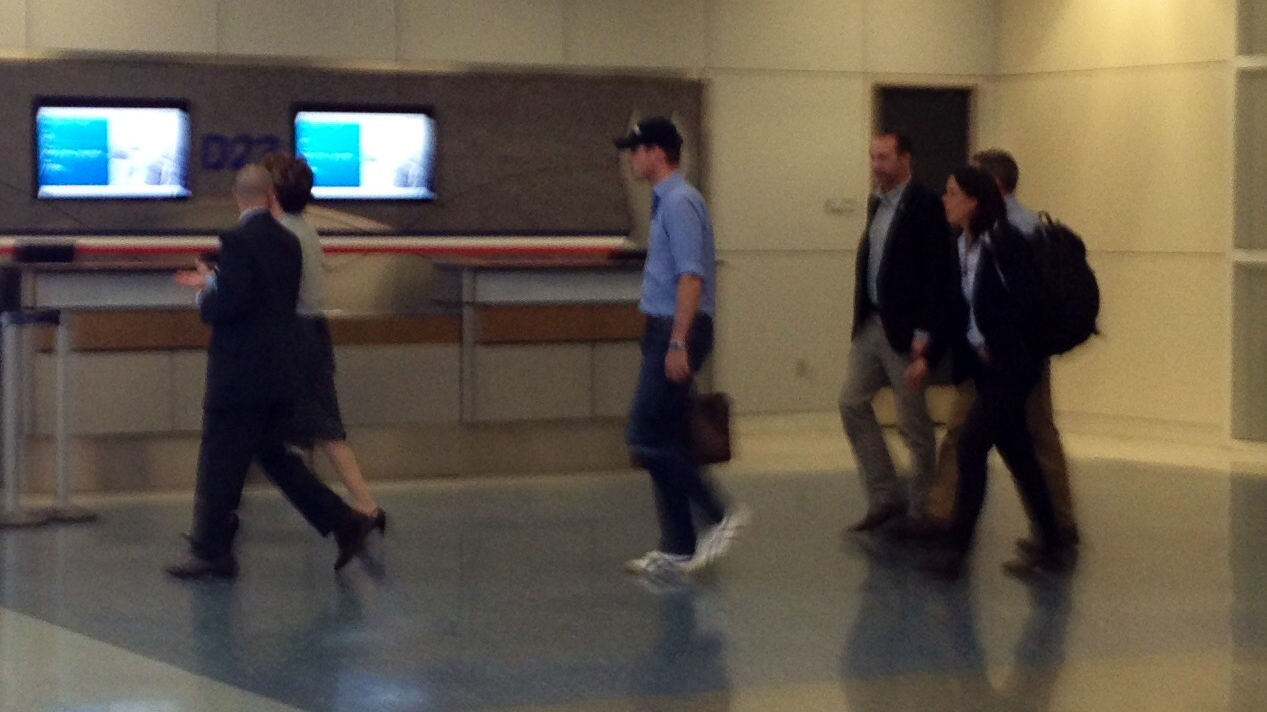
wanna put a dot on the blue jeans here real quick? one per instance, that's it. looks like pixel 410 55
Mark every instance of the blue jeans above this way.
pixel 658 436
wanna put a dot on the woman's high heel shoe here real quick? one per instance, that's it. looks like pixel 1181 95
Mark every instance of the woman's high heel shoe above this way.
pixel 380 520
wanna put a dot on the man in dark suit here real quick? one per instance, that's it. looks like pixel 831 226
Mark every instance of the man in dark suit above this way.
pixel 904 270
pixel 249 301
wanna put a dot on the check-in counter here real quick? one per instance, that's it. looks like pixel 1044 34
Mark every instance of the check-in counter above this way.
pixel 513 366
pixel 545 338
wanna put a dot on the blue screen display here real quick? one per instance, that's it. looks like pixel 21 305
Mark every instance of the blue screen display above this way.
pixel 74 151
pixel 333 151
pixel 111 152
pixel 368 155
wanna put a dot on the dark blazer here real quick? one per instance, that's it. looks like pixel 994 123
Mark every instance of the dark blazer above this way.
pixel 1006 303
pixel 915 272
pixel 252 359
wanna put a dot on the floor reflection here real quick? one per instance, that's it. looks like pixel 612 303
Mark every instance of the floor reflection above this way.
pixel 507 595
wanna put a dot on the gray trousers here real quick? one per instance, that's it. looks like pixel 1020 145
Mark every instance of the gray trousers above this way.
pixel 873 364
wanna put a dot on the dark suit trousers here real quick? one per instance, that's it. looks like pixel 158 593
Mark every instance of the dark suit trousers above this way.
pixel 231 439
pixel 997 419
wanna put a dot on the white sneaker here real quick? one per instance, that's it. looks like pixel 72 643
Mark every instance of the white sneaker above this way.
pixel 659 571
pixel 656 561
pixel 718 539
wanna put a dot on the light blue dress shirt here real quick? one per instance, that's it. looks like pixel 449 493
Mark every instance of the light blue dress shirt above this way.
pixel 878 236
pixel 1021 217
pixel 681 243
pixel 969 262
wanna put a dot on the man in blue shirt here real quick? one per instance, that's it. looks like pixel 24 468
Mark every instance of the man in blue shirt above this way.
pixel 679 290
pixel 1002 167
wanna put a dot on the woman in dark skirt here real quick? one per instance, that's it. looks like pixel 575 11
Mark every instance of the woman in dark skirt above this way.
pixel 317 421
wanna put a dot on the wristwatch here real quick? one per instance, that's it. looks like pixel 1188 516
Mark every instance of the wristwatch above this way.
pixel 677 345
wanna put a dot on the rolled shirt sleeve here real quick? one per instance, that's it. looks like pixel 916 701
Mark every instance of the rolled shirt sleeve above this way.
pixel 686 237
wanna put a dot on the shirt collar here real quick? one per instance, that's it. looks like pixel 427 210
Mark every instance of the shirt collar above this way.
pixel 250 213
pixel 673 180
pixel 891 197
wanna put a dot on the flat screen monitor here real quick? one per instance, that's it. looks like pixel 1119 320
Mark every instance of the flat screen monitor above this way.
pixel 368 154
pixel 111 149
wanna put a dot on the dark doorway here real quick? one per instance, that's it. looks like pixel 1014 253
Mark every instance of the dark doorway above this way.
pixel 938 122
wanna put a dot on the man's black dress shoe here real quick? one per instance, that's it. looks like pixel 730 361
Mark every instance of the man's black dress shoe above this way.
pixel 194 567
pixel 918 528
pixel 351 537
pixel 1040 562
pixel 1069 539
pixel 946 564
pixel 878 515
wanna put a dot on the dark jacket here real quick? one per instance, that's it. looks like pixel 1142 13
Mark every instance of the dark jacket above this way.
pixel 915 274
pixel 252 359
pixel 1006 302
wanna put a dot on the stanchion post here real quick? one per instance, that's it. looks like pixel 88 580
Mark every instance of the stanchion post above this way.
pixel 63 510
pixel 13 515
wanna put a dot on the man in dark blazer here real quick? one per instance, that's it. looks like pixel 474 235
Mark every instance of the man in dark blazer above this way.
pixel 904 271
pixel 249 301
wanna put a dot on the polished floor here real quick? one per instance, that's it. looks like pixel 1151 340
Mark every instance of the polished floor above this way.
pixel 506 594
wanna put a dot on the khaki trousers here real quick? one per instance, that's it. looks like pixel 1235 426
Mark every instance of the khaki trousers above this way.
pixel 1039 413
pixel 873 364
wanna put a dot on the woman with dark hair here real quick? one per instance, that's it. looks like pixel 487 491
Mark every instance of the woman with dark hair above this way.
pixel 997 317
pixel 317 421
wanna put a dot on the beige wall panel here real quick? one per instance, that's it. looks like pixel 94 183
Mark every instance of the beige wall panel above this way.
pixel 13 29
pixel 365 29
pixel 1136 159
pixel 1249 388
pixel 986 114
pixel 1055 35
pixel 1164 352
pixel 125 392
pixel 537 382
pixel 1251 160
pixel 416 383
pixel 780 147
pixel 616 367
pixel 650 33
pixel 497 31
pixel 189 379
pixel 783 329
pixel 179 26
pixel 790 34
pixel 918 36
pixel 1253 27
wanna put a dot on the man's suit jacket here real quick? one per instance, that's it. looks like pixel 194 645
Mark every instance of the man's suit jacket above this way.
pixel 252 359
pixel 916 272
pixel 1005 302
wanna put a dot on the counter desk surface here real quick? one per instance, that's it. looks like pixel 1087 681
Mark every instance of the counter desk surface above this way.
pixel 511 281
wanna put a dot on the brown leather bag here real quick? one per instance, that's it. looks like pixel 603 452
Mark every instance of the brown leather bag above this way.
pixel 708 418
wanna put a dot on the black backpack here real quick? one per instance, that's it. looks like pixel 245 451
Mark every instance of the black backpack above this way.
pixel 1068 295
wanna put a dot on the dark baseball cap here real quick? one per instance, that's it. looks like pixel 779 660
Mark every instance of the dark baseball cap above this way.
pixel 656 131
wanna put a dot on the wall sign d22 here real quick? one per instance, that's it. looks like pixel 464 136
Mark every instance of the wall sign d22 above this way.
pixel 220 152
